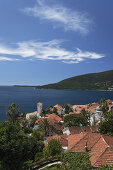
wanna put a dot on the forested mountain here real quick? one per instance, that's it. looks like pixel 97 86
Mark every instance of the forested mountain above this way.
pixel 91 81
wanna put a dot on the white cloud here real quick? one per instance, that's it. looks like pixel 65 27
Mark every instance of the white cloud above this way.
pixel 2 58
pixel 51 50
pixel 60 16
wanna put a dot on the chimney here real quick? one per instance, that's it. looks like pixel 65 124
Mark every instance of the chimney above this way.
pixel 86 148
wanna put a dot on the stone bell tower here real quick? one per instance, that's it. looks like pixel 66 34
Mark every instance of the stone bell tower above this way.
pixel 39 109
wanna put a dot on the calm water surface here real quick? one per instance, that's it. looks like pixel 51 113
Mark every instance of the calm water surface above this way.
pixel 27 97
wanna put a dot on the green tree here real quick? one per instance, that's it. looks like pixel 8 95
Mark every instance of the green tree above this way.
pixel 72 161
pixel 54 110
pixel 17 147
pixel 33 121
pixel 46 153
pixel 54 147
pixel 75 120
pixel 67 109
pixel 45 126
pixel 106 126
pixel 24 123
pixel 48 109
pixel 84 112
pixel 103 105
pixel 12 112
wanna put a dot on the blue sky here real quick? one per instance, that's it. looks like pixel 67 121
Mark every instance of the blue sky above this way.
pixel 45 41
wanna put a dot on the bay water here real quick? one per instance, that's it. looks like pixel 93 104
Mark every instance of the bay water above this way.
pixel 27 97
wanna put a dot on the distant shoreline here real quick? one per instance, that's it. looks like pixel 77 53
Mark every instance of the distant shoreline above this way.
pixel 23 86
pixel 36 87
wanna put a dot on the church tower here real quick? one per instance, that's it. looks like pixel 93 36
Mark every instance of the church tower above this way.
pixel 39 109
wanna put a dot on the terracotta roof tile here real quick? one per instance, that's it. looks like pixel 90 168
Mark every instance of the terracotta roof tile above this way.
pixel 39 103
pixel 74 139
pixel 99 146
pixel 54 118
pixel 62 139
pixel 106 158
pixel 97 150
pixel 39 120
pixel 77 130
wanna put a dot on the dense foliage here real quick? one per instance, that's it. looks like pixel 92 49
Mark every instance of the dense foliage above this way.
pixel 12 112
pixel 92 81
pixel 53 148
pixel 16 147
pixel 75 120
pixel 46 127
pixel 103 105
pixel 79 160
pixel 106 126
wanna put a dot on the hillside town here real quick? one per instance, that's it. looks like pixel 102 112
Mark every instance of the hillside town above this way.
pixel 81 138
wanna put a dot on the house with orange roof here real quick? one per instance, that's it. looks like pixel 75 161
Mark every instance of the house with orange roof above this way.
pixel 53 118
pixel 63 139
pixel 79 129
pixel 78 108
pixel 110 104
pixel 100 147
pixel 54 121
pixel 60 109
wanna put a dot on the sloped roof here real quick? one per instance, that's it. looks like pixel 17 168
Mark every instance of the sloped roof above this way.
pixel 39 120
pixel 98 149
pixel 99 146
pixel 77 130
pixel 54 118
pixel 73 140
pixel 39 103
pixel 89 138
pixel 58 106
pixel 62 139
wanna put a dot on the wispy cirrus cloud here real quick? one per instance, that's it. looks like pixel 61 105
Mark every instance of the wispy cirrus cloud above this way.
pixel 50 50
pixel 3 58
pixel 60 16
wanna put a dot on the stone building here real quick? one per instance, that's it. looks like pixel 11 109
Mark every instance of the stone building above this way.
pixel 39 109
pixel 96 116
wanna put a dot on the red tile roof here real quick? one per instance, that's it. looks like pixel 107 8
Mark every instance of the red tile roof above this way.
pixel 98 149
pixel 77 130
pixel 39 103
pixel 62 139
pixel 54 118
pixel 73 140
pixel 58 107
pixel 99 146
pixel 39 120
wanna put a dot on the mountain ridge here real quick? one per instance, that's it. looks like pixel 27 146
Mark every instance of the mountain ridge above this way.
pixel 90 81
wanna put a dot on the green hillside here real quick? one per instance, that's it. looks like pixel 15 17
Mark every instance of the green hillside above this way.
pixel 92 81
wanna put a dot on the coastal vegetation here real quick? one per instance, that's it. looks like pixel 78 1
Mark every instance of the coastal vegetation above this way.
pixel 22 147
pixel 17 147
pixel 91 81
pixel 75 120
pixel 106 126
